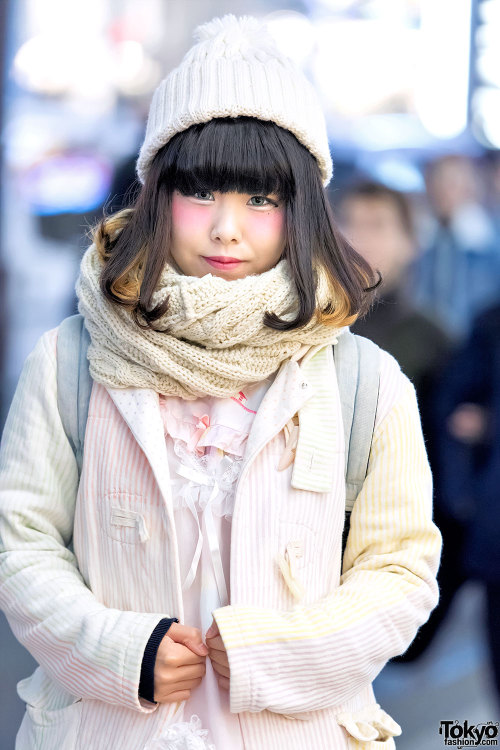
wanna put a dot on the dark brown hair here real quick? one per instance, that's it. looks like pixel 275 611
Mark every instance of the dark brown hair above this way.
pixel 244 155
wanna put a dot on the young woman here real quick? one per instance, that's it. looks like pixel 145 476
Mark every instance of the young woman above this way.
pixel 203 605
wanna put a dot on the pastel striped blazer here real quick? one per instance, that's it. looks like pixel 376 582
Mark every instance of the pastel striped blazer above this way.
pixel 301 669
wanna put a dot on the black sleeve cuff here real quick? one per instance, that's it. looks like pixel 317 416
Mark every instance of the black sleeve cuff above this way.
pixel 147 680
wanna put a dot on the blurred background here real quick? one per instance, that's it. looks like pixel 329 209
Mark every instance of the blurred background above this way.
pixel 411 91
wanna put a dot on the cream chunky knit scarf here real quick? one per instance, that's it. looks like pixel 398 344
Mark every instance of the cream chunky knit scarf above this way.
pixel 216 342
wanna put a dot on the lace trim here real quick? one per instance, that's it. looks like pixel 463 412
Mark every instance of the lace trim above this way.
pixel 198 432
pixel 195 486
pixel 185 735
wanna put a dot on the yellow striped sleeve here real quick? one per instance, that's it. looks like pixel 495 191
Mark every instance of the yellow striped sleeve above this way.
pixel 387 591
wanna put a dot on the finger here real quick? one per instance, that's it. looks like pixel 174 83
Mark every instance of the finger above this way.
pixel 182 686
pixel 196 646
pixel 172 676
pixel 219 657
pixel 189 637
pixel 216 642
pixel 168 678
pixel 213 630
pixel 223 683
pixel 179 656
pixel 179 696
pixel 220 669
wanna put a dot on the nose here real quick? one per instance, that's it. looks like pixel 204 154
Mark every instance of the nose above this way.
pixel 226 228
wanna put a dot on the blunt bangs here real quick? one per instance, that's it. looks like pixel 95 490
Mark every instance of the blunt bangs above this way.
pixel 240 154
pixel 244 155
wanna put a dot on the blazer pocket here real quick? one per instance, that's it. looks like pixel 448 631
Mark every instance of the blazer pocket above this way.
pixel 123 518
pixel 41 728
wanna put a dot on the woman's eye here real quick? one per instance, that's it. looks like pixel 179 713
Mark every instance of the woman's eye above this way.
pixel 203 195
pixel 261 200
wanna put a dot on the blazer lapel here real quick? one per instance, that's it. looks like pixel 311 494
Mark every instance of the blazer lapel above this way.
pixel 320 438
pixel 140 409
pixel 286 395
pixel 310 389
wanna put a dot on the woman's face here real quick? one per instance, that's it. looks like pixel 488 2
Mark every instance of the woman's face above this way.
pixel 210 225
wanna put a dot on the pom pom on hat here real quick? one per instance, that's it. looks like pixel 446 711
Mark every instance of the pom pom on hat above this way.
pixel 245 27
pixel 230 36
pixel 236 69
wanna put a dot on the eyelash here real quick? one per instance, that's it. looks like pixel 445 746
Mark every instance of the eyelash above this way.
pixel 269 201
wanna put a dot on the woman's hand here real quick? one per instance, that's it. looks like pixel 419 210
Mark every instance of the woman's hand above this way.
pixel 180 663
pixel 218 655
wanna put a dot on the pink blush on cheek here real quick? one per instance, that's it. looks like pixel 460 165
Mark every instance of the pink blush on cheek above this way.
pixel 267 225
pixel 186 214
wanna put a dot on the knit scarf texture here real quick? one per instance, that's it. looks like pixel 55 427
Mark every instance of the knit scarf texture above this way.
pixel 216 341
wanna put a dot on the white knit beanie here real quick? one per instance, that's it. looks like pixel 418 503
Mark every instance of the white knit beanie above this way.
pixel 236 69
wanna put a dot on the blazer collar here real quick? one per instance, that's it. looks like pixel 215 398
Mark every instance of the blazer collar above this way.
pixel 140 408
pixel 308 388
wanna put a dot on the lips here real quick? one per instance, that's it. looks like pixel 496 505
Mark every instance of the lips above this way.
pixel 223 263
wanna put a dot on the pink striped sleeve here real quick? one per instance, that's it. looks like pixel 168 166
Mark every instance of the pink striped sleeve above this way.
pixel 91 650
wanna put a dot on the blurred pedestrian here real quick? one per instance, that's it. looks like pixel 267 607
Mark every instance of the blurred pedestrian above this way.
pixel 490 167
pixel 458 271
pixel 379 222
pixel 468 410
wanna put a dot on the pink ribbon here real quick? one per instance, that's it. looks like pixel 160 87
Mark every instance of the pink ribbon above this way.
pixel 201 427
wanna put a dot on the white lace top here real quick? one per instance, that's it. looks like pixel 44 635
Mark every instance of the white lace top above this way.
pixel 206 441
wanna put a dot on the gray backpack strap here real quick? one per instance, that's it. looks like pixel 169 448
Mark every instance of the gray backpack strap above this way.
pixel 358 376
pixel 74 383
